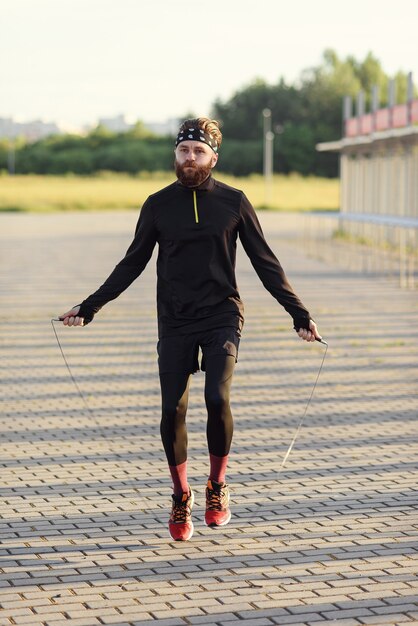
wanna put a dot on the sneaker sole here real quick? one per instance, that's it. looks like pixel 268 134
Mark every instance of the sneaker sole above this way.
pixel 228 519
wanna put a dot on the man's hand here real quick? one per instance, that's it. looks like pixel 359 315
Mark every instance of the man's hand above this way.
pixel 71 318
pixel 311 334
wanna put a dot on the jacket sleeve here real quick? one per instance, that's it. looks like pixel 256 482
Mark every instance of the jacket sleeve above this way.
pixel 268 266
pixel 131 266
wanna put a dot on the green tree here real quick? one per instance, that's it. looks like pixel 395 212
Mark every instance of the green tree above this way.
pixel 241 115
pixel 307 113
pixel 77 161
pixel 139 131
pixel 4 150
pixel 240 158
pixel 295 146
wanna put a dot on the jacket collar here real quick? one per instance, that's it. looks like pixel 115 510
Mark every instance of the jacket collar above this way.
pixel 207 185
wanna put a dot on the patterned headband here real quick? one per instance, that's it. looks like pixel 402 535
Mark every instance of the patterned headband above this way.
pixel 197 134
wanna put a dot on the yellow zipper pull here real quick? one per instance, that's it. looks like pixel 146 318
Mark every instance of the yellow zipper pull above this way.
pixel 196 215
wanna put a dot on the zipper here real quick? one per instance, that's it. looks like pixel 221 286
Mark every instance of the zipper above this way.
pixel 196 214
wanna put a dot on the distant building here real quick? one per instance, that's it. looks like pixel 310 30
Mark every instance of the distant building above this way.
pixel 379 161
pixel 6 127
pixel 37 129
pixel 379 183
pixel 32 131
pixel 117 124
pixel 170 127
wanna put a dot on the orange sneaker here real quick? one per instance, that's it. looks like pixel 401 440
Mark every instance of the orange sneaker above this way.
pixel 217 512
pixel 180 523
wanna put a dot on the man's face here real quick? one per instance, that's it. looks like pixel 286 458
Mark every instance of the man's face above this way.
pixel 193 162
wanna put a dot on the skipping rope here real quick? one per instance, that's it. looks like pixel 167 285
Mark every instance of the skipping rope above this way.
pixel 94 419
pixel 294 438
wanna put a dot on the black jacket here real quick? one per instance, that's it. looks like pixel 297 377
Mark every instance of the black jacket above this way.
pixel 196 231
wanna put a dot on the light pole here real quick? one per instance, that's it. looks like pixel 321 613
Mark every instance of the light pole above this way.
pixel 268 138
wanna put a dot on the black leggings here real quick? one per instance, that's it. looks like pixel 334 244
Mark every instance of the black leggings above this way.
pixel 175 395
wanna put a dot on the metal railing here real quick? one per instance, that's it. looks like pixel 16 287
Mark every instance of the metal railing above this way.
pixel 383 245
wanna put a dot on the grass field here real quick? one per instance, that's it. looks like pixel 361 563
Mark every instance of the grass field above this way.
pixel 121 191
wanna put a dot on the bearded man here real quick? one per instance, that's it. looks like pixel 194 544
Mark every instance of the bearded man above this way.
pixel 196 221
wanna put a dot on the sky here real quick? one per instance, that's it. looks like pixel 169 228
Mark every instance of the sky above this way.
pixel 73 61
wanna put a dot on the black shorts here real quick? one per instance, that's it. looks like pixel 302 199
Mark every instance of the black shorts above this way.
pixel 180 353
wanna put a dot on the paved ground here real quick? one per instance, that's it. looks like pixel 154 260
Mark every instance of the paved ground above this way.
pixel 85 499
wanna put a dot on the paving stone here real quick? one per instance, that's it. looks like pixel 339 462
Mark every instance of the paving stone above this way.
pixel 270 613
pixel 296 619
pixel 85 494
pixel 340 622
pixel 259 621
pixel 394 618
pixel 221 618
pixel 161 622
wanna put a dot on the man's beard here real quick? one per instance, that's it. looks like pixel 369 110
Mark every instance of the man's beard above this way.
pixel 191 177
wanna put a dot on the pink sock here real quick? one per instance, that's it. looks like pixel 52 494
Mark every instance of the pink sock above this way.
pixel 179 478
pixel 218 468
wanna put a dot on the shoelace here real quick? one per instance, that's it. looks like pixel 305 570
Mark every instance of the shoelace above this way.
pixel 181 511
pixel 215 500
